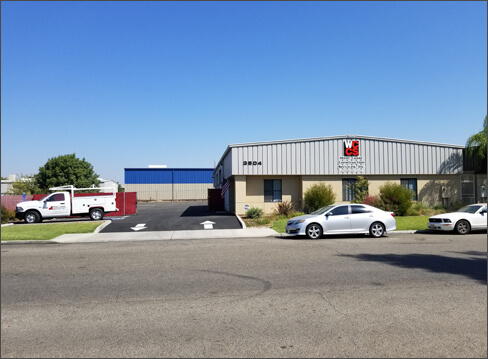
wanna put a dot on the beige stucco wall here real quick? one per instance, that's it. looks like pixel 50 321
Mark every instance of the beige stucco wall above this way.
pixel 249 190
pixel 169 192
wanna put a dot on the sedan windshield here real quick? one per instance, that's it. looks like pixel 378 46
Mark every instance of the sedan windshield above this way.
pixel 469 209
pixel 322 210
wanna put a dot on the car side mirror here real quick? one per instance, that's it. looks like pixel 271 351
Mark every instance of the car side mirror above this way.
pixel 328 214
pixel 483 211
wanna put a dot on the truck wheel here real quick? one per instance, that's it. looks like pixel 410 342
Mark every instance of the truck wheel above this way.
pixel 96 214
pixel 32 217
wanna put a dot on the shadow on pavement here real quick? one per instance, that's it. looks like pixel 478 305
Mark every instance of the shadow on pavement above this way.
pixel 202 211
pixel 473 267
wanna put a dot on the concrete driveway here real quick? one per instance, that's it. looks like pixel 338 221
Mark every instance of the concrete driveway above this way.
pixel 173 216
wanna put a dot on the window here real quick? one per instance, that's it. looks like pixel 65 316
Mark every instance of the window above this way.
pixel 272 190
pixel 359 209
pixel 347 189
pixel 57 197
pixel 411 184
pixel 339 211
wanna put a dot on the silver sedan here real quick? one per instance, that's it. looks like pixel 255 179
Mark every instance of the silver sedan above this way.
pixel 343 219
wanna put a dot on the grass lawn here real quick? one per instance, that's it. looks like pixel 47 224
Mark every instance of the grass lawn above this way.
pixel 409 223
pixel 46 231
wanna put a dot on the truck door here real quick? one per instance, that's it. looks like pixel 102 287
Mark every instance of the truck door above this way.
pixel 55 205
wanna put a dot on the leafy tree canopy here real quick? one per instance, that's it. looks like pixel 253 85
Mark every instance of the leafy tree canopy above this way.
pixel 66 170
pixel 24 184
pixel 476 144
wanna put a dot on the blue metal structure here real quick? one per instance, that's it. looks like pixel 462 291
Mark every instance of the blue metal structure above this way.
pixel 168 175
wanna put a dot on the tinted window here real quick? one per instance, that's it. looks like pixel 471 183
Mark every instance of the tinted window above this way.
pixel 339 210
pixel 359 209
pixel 57 197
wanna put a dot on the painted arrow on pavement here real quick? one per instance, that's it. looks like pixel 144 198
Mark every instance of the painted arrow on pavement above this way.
pixel 208 224
pixel 138 227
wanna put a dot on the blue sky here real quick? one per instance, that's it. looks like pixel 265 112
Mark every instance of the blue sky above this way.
pixel 132 84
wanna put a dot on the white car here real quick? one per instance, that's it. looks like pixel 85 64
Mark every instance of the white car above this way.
pixel 471 217
pixel 343 219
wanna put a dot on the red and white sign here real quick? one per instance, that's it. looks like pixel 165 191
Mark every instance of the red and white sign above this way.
pixel 351 148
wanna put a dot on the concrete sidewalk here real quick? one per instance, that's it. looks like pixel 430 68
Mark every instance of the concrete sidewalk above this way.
pixel 159 236
pixel 156 236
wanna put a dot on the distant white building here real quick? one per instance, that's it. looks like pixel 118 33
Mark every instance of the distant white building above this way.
pixel 7 184
pixel 108 183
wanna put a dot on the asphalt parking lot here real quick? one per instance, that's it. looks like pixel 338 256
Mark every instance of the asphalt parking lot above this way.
pixel 173 216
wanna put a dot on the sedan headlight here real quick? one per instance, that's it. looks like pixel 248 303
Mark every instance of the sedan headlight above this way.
pixel 446 220
pixel 298 221
pixel 19 209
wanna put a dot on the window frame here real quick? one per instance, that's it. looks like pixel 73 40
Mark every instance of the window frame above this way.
pixel 406 182
pixel 273 190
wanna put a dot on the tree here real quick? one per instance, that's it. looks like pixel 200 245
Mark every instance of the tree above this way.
pixel 25 184
pixel 476 144
pixel 66 170
pixel 360 190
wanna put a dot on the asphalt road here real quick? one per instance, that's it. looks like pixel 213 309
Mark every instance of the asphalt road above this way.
pixel 421 295
pixel 173 216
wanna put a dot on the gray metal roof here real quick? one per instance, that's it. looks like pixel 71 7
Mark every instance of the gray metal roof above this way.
pixel 325 156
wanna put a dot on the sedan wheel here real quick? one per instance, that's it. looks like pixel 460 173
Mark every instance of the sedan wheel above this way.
pixel 377 229
pixel 463 227
pixel 314 231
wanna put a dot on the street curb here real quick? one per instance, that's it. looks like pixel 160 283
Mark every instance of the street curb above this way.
pixel 241 221
pixel 100 227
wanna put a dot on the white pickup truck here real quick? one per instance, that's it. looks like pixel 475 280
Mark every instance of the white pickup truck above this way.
pixel 65 204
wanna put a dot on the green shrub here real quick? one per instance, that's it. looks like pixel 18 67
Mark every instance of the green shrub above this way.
pixel 254 212
pixel 317 196
pixel 7 215
pixel 263 221
pixel 395 198
pixel 454 206
pixel 284 208
pixel 296 214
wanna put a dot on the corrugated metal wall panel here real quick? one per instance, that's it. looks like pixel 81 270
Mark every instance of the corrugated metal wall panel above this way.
pixel 167 175
pixel 140 176
pixel 321 157
pixel 166 184
pixel 192 176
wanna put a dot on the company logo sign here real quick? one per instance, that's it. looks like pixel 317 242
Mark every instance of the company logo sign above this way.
pixel 351 148
pixel 352 162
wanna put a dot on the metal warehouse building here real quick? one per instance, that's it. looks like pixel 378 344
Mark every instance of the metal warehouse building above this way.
pixel 168 184
pixel 262 174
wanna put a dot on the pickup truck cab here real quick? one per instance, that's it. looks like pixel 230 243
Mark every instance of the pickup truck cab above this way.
pixel 65 204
